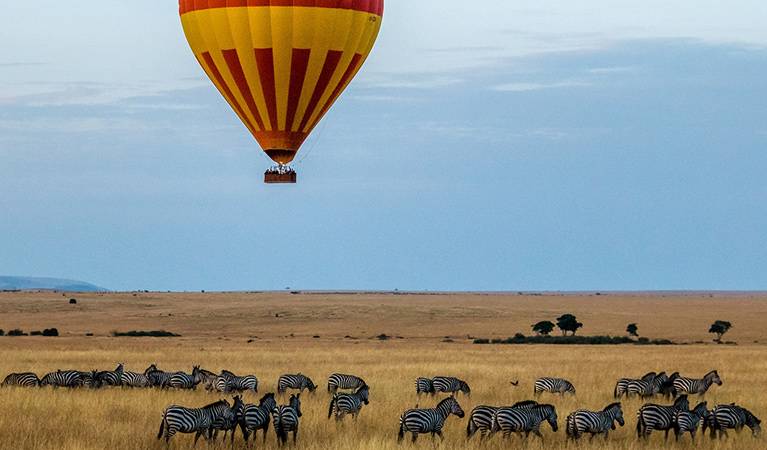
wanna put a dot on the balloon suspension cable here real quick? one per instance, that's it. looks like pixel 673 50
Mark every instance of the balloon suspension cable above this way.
pixel 324 122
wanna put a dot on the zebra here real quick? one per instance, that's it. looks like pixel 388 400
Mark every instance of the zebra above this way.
pixel 23 379
pixel 689 420
pixel 723 417
pixel 424 386
pixel 667 387
pixel 226 418
pixel 344 403
pixel 341 381
pixel 658 417
pixel 285 418
pixel 182 380
pixel 134 379
pixel 208 379
pixel 111 377
pixel 646 388
pixel 297 381
pixel 481 418
pixel 227 382
pixel 177 419
pixel 61 378
pixel 621 387
pixel 159 378
pixel 428 420
pixel 526 418
pixel 451 385
pixel 89 379
pixel 594 422
pixel 253 418
pixel 698 386
pixel 553 385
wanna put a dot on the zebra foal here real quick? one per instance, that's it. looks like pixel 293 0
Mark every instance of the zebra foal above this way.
pixel 352 403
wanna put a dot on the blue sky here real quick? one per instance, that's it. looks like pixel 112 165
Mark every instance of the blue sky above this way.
pixel 525 146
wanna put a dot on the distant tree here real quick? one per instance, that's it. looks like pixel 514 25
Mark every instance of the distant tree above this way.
pixel 632 330
pixel 543 327
pixel 568 322
pixel 719 327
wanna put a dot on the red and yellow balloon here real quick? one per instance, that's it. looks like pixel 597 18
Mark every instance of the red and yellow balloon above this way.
pixel 281 64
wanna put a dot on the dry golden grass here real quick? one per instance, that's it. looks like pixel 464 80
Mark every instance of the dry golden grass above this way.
pixel 216 328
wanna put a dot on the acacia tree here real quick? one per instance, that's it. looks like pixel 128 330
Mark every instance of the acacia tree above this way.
pixel 543 327
pixel 632 329
pixel 719 327
pixel 568 322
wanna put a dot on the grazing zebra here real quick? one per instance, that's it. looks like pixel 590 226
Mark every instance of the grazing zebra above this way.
pixel 424 386
pixel 253 418
pixel 297 381
pixel 89 379
pixel 341 381
pixel 226 419
pixel 61 378
pixel 658 417
pixel 228 382
pixel 111 377
pixel 135 380
pixel 594 422
pixel 159 378
pixel 182 380
pixel 526 418
pixel 481 418
pixel 723 417
pixel 344 403
pixel 698 386
pixel 621 387
pixel 24 379
pixel 428 420
pixel 553 385
pixel 689 420
pixel 451 385
pixel 646 388
pixel 285 419
pixel 178 419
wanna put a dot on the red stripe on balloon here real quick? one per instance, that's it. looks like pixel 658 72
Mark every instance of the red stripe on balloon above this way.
pixel 265 60
pixel 328 69
pixel 350 71
pixel 212 69
pixel 233 62
pixel 298 65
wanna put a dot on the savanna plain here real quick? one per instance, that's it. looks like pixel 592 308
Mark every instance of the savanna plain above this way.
pixel 387 338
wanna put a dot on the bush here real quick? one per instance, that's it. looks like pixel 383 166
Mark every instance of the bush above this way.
pixel 50 332
pixel 16 332
pixel 158 333
pixel 36 333
pixel 2 333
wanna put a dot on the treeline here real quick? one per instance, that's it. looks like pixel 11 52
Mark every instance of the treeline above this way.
pixel 520 338
pixel 18 332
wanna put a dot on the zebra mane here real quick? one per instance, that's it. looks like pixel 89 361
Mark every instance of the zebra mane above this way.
pixel 611 406
pixel 266 396
pixel 681 400
pixel 710 375
pixel 216 404
pixel 446 400
pixel 524 403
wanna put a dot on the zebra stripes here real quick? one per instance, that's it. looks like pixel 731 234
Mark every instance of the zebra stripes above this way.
pixel 344 403
pixel 553 385
pixel 646 388
pixel 685 421
pixel 61 378
pixel 424 386
pixel 253 418
pixel 699 386
pixel 225 418
pixel 297 381
pixel 111 377
pixel 450 385
pixel 285 418
pixel 342 381
pixel 659 417
pixel 482 418
pixel 227 382
pixel 182 380
pixel 178 419
pixel 135 380
pixel 621 387
pixel 723 417
pixel 431 421
pixel 525 419
pixel 594 422
pixel 23 379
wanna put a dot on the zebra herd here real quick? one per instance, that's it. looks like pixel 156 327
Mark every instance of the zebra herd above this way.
pixel 522 417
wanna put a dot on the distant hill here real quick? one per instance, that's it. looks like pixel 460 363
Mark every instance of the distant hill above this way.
pixel 59 284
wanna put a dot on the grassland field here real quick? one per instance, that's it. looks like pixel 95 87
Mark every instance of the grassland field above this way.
pixel 271 333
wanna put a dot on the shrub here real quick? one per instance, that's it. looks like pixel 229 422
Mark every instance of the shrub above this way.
pixel 50 332
pixel 16 332
pixel 157 333
pixel 2 333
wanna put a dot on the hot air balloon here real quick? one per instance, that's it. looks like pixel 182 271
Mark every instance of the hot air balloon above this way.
pixel 281 64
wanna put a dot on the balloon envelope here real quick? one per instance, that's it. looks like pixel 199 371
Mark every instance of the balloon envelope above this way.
pixel 281 64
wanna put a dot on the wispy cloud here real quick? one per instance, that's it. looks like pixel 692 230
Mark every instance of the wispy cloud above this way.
pixel 521 87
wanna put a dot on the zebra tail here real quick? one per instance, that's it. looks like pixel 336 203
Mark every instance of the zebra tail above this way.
pixel 332 400
pixel 401 434
pixel 162 426
pixel 279 429
pixel 468 428
pixel 615 391
pixel 639 424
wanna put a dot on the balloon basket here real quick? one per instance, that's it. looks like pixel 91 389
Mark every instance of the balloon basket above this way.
pixel 280 174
